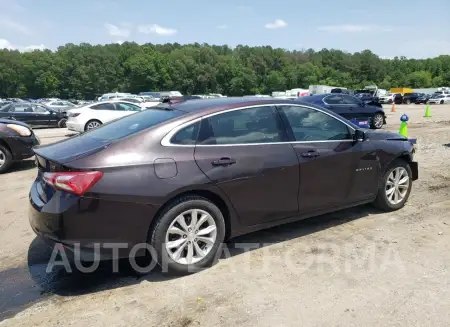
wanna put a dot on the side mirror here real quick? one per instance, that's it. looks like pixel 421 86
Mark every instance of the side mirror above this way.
pixel 359 136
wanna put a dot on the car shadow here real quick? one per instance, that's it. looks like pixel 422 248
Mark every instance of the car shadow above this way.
pixel 21 287
pixel 447 145
pixel 22 165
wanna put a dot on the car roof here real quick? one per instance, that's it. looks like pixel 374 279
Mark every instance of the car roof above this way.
pixel 197 105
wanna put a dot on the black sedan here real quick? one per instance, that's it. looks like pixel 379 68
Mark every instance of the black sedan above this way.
pixel 181 178
pixel 16 142
pixel 33 114
pixel 423 99
pixel 349 107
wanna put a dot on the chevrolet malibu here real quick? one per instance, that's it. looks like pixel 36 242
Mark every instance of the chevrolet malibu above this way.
pixel 184 177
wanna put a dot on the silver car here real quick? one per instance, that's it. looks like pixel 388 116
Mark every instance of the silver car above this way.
pixel 439 99
pixel 60 105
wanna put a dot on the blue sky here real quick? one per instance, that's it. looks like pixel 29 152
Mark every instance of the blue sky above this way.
pixel 388 28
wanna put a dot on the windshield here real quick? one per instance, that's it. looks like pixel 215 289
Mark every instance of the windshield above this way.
pixel 132 124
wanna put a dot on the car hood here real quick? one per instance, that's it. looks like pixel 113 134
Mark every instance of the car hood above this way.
pixel 384 135
pixel 11 121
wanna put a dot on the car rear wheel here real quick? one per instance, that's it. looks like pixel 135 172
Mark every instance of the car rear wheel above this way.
pixel 408 101
pixel 92 124
pixel 188 235
pixel 377 121
pixel 5 159
pixel 442 102
pixel 395 186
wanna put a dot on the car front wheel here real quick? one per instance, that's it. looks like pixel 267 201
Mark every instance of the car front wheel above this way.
pixel 5 159
pixel 395 187
pixel 377 121
pixel 188 235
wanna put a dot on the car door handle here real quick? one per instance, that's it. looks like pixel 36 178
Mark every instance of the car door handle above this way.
pixel 310 154
pixel 223 162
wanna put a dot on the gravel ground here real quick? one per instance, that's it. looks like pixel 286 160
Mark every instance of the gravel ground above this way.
pixel 356 267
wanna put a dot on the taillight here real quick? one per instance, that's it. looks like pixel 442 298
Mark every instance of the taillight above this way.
pixel 73 182
pixel 74 114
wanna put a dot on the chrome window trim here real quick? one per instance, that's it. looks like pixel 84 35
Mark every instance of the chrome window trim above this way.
pixel 166 139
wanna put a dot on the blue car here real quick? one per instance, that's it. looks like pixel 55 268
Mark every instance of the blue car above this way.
pixel 349 107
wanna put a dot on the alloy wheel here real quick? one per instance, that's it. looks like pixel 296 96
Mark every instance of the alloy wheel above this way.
pixel 92 125
pixel 2 158
pixel 378 121
pixel 397 185
pixel 191 236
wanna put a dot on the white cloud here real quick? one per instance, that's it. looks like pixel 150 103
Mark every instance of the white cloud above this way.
pixel 156 29
pixel 354 28
pixel 123 31
pixel 7 24
pixel 279 23
pixel 5 44
pixel 222 27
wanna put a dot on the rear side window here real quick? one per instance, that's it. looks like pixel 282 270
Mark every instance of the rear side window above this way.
pixel 187 135
pixel 245 126
pixel 132 124
pixel 103 106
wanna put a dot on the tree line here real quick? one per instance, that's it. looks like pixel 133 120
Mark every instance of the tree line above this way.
pixel 86 71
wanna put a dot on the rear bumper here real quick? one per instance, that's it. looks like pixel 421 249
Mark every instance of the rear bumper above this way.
pixel 22 146
pixel 89 225
pixel 74 126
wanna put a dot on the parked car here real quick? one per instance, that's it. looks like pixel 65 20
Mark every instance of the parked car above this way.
pixel 16 142
pixel 185 177
pixel 398 98
pixel 423 99
pixel 33 114
pixel 141 101
pixel 60 105
pixel 349 107
pixel 388 98
pixel 439 99
pixel 93 115
pixel 409 98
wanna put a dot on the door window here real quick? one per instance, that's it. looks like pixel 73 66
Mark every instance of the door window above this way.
pixel 333 99
pixel 127 107
pixel 313 125
pixel 22 108
pixel 244 126
pixel 103 106
pixel 347 99
pixel 187 135
pixel 39 109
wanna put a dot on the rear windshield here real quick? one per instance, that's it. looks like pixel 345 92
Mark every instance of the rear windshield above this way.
pixel 132 124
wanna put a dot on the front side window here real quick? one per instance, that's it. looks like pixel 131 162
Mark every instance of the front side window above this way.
pixel 347 99
pixel 313 125
pixel 333 99
pixel 245 126
pixel 39 109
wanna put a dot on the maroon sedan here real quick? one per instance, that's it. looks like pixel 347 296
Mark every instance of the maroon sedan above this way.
pixel 183 177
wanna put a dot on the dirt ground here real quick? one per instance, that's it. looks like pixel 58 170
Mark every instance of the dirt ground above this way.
pixel 356 267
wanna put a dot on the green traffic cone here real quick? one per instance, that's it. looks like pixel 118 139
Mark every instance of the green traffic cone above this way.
pixel 403 129
pixel 427 111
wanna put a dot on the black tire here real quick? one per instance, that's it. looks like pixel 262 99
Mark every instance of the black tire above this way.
pixel 372 122
pixel 382 202
pixel 62 123
pixel 6 155
pixel 408 101
pixel 442 102
pixel 157 234
pixel 91 121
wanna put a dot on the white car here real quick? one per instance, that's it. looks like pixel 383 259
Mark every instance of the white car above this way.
pixel 95 114
pixel 141 101
pixel 387 98
pixel 440 99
